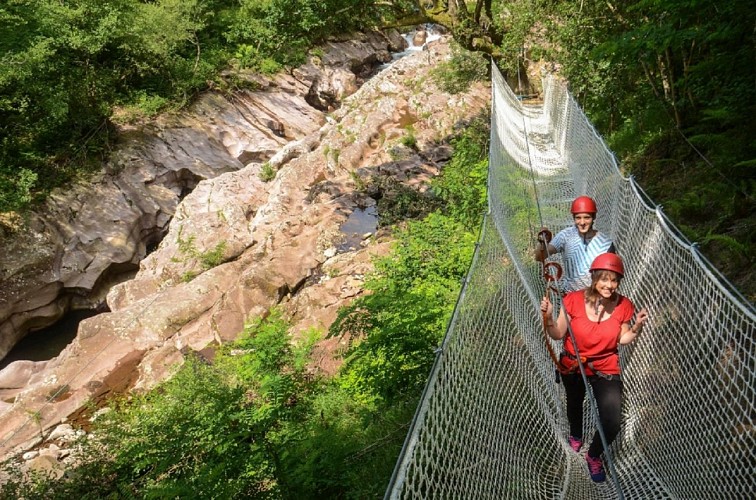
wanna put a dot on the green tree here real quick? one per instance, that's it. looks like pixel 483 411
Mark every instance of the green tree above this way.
pixel 665 81
pixel 214 430
pixel 397 326
pixel 65 65
pixel 69 70
pixel 462 185
pixel 257 421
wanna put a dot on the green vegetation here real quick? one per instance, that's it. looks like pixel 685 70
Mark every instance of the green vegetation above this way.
pixel 464 67
pixel 69 70
pixel 267 172
pixel 462 187
pixel 207 259
pixel 669 84
pixel 214 257
pixel 409 139
pixel 258 421
pixel 399 202
pixel 217 430
pixel 398 324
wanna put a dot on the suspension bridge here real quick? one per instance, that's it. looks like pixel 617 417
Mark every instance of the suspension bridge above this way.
pixel 492 422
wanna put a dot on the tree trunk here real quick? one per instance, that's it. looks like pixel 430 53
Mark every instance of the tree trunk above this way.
pixel 478 10
pixel 672 83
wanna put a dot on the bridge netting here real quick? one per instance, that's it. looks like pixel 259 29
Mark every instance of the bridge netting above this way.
pixel 492 420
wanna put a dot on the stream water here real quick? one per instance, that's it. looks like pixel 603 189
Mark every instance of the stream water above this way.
pixel 365 220
pixel 433 32
pixel 358 224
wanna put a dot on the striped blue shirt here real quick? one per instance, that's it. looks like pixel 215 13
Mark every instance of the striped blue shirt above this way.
pixel 577 256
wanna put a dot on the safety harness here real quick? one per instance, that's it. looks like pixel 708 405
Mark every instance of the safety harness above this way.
pixel 572 366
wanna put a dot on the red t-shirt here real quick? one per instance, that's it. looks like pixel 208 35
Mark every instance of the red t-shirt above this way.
pixel 596 341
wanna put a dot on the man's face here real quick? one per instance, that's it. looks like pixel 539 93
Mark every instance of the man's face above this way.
pixel 583 222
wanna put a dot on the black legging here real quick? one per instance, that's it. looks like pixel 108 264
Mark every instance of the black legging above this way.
pixel 608 394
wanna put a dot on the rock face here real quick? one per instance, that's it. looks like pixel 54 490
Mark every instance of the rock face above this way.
pixel 90 236
pixel 235 245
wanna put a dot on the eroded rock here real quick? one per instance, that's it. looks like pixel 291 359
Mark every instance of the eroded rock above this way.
pixel 94 234
pixel 236 245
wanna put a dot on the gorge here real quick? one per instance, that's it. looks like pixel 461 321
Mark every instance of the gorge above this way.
pixel 231 243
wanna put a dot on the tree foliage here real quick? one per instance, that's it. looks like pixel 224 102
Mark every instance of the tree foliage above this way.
pixel 214 430
pixel 663 80
pixel 396 327
pixel 69 70
pixel 475 25
pixel 462 185
pixel 670 84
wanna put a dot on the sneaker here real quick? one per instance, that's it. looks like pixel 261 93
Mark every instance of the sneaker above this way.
pixel 575 443
pixel 596 469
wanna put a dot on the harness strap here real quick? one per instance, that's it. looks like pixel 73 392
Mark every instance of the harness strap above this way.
pixel 587 361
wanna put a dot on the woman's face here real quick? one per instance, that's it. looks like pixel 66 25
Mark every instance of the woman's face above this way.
pixel 583 222
pixel 607 283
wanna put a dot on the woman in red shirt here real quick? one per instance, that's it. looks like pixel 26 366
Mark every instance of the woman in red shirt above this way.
pixel 599 318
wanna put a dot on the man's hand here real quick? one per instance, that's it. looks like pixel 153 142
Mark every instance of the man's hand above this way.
pixel 541 250
pixel 544 236
pixel 641 318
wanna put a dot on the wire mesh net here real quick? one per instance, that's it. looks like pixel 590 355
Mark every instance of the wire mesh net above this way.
pixel 492 421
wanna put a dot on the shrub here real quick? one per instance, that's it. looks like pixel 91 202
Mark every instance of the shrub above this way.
pixel 464 68
pixel 267 172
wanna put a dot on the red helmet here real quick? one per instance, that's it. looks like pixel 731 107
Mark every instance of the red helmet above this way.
pixel 583 205
pixel 609 262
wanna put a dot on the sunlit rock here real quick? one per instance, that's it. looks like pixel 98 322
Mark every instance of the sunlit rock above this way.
pixel 233 244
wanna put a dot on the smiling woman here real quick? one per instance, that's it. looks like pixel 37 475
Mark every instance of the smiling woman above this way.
pixel 597 320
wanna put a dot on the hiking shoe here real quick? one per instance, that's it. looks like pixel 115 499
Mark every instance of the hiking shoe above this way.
pixel 575 443
pixel 596 469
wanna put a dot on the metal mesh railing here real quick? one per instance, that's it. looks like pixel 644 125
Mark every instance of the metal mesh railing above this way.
pixel 492 421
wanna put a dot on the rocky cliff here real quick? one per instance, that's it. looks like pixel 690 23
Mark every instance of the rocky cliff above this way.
pixel 237 243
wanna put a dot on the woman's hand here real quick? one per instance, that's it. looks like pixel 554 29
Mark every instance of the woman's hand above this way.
pixel 555 330
pixel 546 306
pixel 641 318
pixel 628 334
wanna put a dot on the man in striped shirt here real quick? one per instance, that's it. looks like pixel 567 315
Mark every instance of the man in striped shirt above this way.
pixel 578 244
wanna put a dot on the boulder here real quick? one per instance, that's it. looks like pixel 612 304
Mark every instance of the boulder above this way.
pixel 18 373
